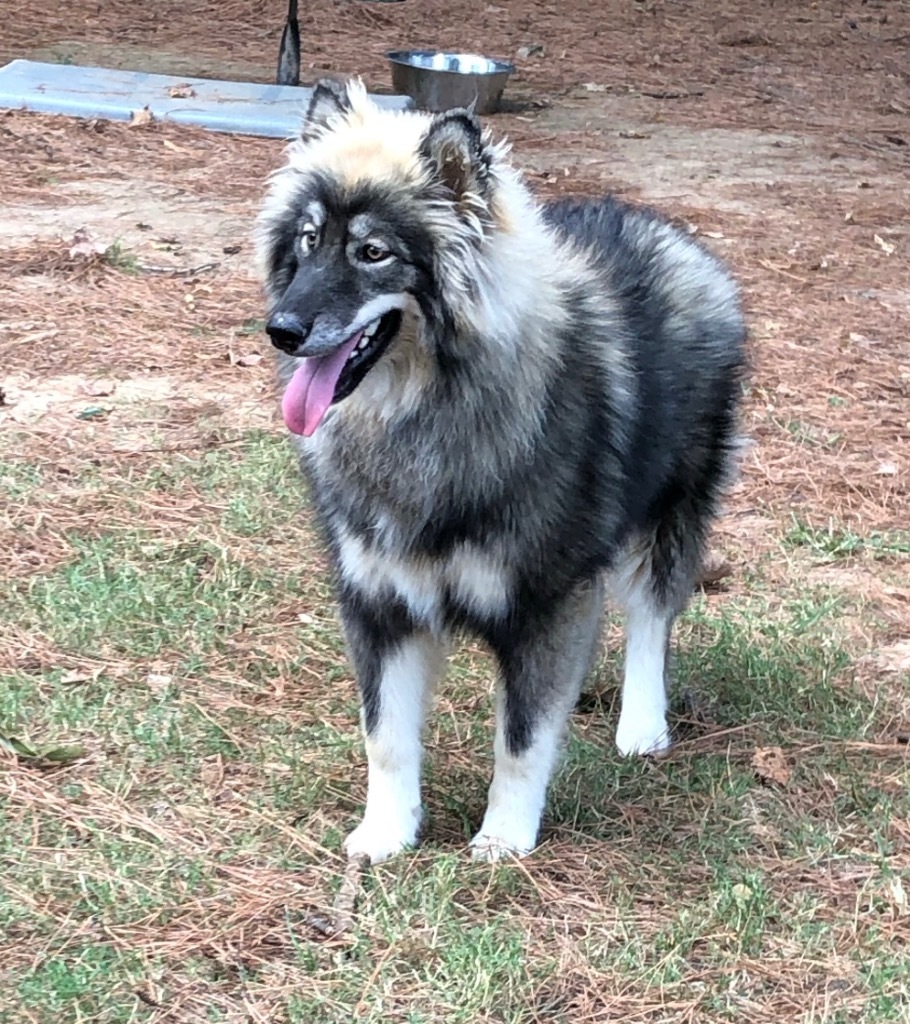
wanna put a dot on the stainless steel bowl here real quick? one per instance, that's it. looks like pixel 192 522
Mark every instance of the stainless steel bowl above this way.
pixel 439 81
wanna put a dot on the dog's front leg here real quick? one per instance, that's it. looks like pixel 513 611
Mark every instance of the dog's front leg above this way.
pixel 397 666
pixel 542 674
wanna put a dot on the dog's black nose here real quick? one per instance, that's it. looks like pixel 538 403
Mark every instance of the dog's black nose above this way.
pixel 286 331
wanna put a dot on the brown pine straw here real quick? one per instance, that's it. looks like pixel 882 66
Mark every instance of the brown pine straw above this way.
pixel 154 340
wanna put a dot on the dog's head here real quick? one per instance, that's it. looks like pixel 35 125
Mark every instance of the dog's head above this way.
pixel 378 215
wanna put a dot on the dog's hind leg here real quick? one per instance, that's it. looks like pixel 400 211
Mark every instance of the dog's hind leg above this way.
pixel 397 668
pixel 542 674
pixel 652 582
pixel 642 725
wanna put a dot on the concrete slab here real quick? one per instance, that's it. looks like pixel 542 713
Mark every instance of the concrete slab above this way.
pixel 246 108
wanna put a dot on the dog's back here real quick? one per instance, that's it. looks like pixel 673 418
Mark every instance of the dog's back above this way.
pixel 684 341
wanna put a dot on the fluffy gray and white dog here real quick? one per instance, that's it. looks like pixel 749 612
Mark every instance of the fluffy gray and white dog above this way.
pixel 503 408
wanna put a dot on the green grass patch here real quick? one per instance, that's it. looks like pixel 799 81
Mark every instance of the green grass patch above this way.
pixel 116 255
pixel 185 866
pixel 18 479
pixel 132 594
pixel 832 542
pixel 778 668
pixel 251 326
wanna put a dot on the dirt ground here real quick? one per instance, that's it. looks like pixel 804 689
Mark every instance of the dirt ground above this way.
pixel 778 132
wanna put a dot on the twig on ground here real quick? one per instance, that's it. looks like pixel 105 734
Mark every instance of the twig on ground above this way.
pixel 151 268
pixel 671 94
pixel 345 901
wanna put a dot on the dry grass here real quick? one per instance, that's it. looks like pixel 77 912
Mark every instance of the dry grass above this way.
pixel 166 608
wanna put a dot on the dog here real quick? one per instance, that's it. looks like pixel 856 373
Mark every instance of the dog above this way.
pixel 505 410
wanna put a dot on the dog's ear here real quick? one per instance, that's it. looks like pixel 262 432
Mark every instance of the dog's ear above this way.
pixel 456 154
pixel 330 98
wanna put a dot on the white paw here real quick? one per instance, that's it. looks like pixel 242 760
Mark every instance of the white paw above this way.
pixel 379 840
pixel 501 843
pixel 490 849
pixel 645 735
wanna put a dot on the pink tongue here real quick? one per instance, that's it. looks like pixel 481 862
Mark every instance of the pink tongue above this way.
pixel 312 388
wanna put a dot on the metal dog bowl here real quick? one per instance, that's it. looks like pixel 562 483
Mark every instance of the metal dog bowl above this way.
pixel 440 81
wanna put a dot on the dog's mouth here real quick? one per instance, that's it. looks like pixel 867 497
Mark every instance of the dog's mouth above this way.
pixel 320 381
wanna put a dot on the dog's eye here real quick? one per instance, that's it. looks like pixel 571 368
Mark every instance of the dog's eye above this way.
pixel 309 238
pixel 374 252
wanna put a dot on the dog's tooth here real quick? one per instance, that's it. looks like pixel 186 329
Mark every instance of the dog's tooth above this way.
pixel 371 328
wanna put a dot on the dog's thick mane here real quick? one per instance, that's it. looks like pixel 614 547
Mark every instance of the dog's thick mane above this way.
pixel 483 236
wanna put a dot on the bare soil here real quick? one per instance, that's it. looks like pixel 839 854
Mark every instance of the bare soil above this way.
pixel 779 132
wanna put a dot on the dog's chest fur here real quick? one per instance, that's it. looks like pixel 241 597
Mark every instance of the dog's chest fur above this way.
pixel 470 582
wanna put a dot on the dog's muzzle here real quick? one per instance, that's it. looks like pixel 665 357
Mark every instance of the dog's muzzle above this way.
pixel 286 331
